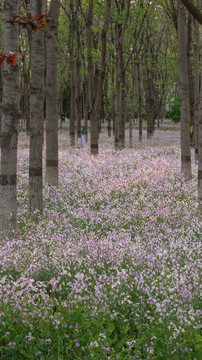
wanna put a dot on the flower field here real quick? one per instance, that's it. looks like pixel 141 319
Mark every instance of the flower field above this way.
pixel 112 269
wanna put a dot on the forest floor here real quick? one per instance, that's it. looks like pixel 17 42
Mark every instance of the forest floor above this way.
pixel 111 269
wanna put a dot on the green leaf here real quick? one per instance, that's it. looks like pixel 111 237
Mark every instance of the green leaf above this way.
pixel 111 327
pixel 121 343
pixel 126 329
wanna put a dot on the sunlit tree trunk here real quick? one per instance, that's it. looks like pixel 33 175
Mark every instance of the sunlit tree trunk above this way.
pixel 52 97
pixel 36 114
pixel 10 124
pixel 184 93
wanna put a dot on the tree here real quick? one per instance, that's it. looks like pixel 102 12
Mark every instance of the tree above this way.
pixel 10 123
pixel 96 76
pixel 200 154
pixel 52 96
pixel 123 10
pixel 193 10
pixel 184 93
pixel 196 82
pixel 36 114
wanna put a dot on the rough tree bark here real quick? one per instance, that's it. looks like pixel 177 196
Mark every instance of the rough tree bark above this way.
pixel 52 96
pixel 10 124
pixel 36 114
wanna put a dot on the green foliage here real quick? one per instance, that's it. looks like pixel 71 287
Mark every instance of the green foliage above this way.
pixel 173 111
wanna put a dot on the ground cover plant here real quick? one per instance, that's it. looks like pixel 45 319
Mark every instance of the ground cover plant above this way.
pixel 111 270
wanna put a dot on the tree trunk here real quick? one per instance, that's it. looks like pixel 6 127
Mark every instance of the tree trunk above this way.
pixel 10 124
pixel 184 93
pixel 52 97
pixel 78 85
pixel 140 102
pixel 26 97
pixel 200 153
pixel 123 105
pixel 118 117
pixel 36 114
pixel 191 83
pixel 96 79
pixel 132 107
pixel 72 81
pixel 1 88
pixel 86 107
pixel 196 83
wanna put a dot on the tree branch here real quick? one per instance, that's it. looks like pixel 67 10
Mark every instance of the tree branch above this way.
pixel 195 12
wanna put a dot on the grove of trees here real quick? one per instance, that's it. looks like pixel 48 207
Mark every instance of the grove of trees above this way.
pixel 111 61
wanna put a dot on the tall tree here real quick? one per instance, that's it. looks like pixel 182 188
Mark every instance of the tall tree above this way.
pixel 10 123
pixel 184 93
pixel 123 9
pixel 52 96
pixel 96 76
pixel 196 82
pixel 36 113
pixel 200 153
pixel 1 50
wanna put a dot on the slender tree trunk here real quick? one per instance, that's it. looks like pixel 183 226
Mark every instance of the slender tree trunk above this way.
pixel 72 81
pixel 78 85
pixel 191 83
pixel 10 124
pixel 36 114
pixel 123 104
pixel 26 97
pixel 52 97
pixel 113 112
pixel 140 102
pixel 95 83
pixel 200 153
pixel 1 88
pixel 196 83
pixel 132 107
pixel 107 114
pixel 1 93
pixel 184 93
pixel 86 107
pixel 118 116
pixel 93 119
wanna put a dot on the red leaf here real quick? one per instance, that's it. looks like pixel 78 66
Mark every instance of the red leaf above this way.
pixel 11 59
